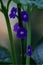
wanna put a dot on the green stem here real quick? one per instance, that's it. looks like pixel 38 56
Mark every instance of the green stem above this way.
pixel 28 34
pixel 23 44
pixel 23 51
pixel 5 12
pixel 28 41
pixel 13 55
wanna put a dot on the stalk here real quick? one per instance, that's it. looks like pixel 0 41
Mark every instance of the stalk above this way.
pixel 11 40
pixel 23 44
pixel 13 55
pixel 28 34
pixel 5 12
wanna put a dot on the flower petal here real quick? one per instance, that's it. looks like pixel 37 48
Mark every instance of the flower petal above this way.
pixel 21 33
pixel 16 27
pixel 14 10
pixel 24 16
pixel 29 51
pixel 12 15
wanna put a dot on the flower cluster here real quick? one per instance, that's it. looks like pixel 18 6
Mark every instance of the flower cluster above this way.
pixel 23 14
pixel 21 32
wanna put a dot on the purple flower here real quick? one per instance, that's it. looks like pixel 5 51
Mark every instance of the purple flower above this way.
pixel 21 33
pixel 14 10
pixel 29 51
pixel 16 27
pixel 12 15
pixel 24 16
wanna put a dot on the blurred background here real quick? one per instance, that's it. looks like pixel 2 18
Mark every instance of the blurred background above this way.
pixel 36 26
pixel 37 36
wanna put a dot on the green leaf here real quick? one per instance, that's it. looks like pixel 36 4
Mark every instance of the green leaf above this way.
pixel 38 3
pixel 5 55
pixel 16 1
pixel 20 1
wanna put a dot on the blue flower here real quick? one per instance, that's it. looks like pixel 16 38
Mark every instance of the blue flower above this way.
pixel 29 51
pixel 16 27
pixel 24 16
pixel 21 33
pixel 14 10
pixel 13 13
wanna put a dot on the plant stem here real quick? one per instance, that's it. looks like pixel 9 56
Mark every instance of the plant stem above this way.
pixel 13 55
pixel 19 17
pixel 28 34
pixel 23 44
pixel 5 12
